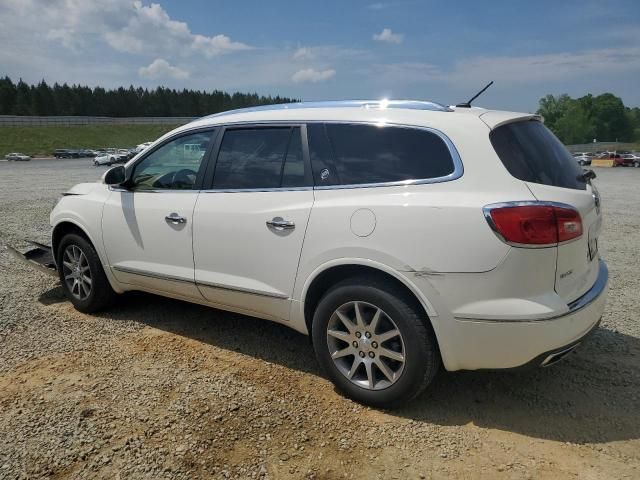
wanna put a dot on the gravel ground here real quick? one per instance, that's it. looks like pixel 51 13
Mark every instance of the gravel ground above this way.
pixel 158 388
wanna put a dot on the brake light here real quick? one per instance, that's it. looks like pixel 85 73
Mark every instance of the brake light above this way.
pixel 534 224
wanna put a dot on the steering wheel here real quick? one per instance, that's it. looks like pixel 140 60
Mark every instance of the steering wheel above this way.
pixel 178 179
pixel 184 177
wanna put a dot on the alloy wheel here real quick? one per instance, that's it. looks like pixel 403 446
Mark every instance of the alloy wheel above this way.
pixel 76 272
pixel 366 345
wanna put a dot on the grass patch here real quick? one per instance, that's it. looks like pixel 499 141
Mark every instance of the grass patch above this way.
pixel 42 141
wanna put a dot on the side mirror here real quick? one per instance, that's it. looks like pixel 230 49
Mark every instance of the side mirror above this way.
pixel 114 176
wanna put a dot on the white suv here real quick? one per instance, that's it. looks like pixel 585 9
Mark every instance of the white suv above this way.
pixel 401 236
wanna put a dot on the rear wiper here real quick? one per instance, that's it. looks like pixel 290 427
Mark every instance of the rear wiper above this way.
pixel 587 175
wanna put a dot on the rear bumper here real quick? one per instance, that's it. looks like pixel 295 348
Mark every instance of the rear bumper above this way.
pixel 491 344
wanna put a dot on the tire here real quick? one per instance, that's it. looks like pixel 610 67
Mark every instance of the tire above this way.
pixel 100 294
pixel 636 164
pixel 95 164
pixel 416 343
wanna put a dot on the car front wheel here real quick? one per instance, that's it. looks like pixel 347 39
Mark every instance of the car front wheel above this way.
pixel 636 164
pixel 374 342
pixel 83 279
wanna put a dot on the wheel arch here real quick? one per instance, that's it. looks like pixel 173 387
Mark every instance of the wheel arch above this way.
pixel 65 227
pixel 324 277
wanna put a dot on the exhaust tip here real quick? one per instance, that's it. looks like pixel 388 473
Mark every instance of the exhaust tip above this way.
pixel 557 356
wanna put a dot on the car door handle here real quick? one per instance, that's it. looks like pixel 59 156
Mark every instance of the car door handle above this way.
pixel 175 219
pixel 280 223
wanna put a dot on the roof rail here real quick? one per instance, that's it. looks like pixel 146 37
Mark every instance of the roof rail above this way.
pixel 375 104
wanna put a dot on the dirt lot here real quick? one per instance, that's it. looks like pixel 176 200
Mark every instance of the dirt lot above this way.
pixel 158 388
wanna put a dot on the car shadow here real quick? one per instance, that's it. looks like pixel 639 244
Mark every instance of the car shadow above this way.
pixel 589 397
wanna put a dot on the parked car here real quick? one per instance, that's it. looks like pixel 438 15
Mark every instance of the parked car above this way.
pixel 105 159
pixel 401 236
pixel 85 153
pixel 619 161
pixel 143 146
pixel 64 153
pixel 582 159
pixel 122 155
pixel 631 159
pixel 17 157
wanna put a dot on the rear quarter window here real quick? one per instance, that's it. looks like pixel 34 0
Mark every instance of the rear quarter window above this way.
pixel 530 152
pixel 353 154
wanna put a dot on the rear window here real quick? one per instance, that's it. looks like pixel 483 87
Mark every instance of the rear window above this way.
pixel 345 154
pixel 530 152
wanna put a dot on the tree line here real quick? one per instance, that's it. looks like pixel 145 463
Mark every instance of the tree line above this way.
pixel 580 120
pixel 43 99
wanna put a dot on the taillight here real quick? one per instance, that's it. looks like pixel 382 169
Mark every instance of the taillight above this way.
pixel 534 224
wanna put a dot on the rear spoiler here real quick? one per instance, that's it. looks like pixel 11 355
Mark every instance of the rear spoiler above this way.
pixel 495 118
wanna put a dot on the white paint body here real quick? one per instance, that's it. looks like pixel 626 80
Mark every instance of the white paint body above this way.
pixel 491 305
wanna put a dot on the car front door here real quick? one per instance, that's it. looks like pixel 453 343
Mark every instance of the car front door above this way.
pixel 147 227
pixel 249 225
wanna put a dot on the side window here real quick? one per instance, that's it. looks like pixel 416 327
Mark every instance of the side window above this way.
pixel 174 165
pixel 371 154
pixel 260 158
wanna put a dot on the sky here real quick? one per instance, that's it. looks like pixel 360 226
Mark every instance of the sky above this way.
pixel 442 51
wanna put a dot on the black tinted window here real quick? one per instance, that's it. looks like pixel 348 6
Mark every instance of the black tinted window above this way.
pixel 371 154
pixel 260 158
pixel 530 152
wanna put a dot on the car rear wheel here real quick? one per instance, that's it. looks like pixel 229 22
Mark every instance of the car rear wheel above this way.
pixel 636 164
pixel 83 279
pixel 374 342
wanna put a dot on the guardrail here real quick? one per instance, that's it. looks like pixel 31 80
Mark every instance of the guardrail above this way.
pixel 19 120
pixel 602 146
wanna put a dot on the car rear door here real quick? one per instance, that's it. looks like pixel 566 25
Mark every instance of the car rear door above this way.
pixel 532 153
pixel 249 225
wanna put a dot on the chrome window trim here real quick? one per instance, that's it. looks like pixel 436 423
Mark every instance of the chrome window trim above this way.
pixel 486 210
pixel 115 188
pixel 458 167
pixel 254 190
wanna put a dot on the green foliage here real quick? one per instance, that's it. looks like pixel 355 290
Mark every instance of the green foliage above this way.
pixel 580 120
pixel 42 99
pixel 42 141
pixel 575 125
